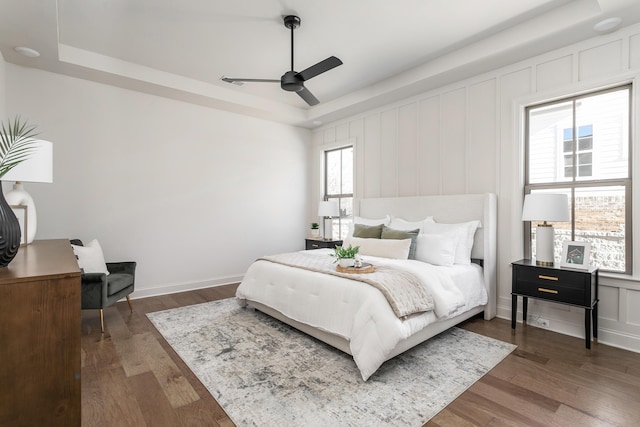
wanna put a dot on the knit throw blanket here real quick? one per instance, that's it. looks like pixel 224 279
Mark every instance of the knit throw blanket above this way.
pixel 404 292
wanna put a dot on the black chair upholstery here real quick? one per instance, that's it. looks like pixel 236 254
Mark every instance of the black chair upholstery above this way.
pixel 100 290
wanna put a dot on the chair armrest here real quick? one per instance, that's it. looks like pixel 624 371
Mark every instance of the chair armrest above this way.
pixel 127 267
pixel 94 290
pixel 90 278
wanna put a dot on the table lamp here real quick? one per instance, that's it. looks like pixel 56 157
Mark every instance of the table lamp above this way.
pixel 328 209
pixel 545 207
pixel 37 168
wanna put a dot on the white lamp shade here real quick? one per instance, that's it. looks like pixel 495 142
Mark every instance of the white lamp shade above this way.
pixel 546 207
pixel 328 208
pixel 36 168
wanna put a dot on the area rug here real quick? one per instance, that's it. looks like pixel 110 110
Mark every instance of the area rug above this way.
pixel 265 373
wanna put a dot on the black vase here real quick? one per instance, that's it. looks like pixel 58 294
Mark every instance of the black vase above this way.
pixel 9 232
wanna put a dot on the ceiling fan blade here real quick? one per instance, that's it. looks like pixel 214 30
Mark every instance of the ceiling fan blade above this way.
pixel 308 97
pixel 319 68
pixel 233 79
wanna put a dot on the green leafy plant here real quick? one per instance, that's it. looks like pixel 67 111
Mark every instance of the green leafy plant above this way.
pixel 315 226
pixel 17 143
pixel 341 252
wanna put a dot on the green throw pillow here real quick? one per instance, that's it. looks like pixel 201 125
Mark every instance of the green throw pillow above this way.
pixel 391 233
pixel 367 231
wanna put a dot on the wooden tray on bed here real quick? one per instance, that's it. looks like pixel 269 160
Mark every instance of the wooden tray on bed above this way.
pixel 366 268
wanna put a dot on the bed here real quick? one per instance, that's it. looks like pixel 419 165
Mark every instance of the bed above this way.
pixel 355 317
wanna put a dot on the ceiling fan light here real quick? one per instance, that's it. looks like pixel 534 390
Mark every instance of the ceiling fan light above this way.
pixel 290 82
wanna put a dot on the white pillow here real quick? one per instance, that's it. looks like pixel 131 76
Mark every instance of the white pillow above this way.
pixel 465 232
pixel 383 248
pixel 437 249
pixel 403 224
pixel 368 221
pixel 90 257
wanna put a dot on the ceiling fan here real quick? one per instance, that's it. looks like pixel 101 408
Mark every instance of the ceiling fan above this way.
pixel 293 81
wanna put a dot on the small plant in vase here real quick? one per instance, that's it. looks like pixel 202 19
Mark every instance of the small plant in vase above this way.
pixel 345 257
pixel 315 229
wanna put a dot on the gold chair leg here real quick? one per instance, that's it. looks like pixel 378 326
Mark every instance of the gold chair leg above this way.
pixel 101 321
pixel 129 301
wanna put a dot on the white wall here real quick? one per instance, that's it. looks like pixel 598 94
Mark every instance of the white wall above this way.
pixel 192 194
pixel 467 138
pixel 2 87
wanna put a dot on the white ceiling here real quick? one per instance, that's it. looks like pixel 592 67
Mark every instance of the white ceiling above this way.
pixel 390 49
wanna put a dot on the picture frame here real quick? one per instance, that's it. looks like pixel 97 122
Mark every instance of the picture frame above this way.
pixel 21 213
pixel 576 255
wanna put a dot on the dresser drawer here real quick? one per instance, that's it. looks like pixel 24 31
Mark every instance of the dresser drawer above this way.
pixel 553 285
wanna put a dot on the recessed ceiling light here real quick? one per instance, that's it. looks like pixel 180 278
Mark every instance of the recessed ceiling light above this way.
pixel 608 25
pixel 28 52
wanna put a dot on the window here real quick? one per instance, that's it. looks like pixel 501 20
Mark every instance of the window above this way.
pixel 338 185
pixel 584 151
pixel 580 146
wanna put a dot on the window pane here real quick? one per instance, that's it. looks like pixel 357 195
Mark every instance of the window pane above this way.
pixel 585 171
pixel 347 170
pixel 584 131
pixel 341 224
pixel 346 207
pixel 584 158
pixel 605 118
pixel 567 134
pixel 585 144
pixel 333 172
pixel 549 126
pixel 600 220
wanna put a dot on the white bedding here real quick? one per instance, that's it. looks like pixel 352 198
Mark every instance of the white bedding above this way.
pixel 356 311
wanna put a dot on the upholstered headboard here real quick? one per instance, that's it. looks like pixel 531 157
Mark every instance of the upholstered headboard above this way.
pixel 448 209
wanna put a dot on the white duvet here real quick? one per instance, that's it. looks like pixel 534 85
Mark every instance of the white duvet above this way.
pixel 357 311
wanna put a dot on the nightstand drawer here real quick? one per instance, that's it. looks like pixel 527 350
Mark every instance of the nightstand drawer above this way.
pixel 553 284
pixel 552 291
pixel 321 243
pixel 550 277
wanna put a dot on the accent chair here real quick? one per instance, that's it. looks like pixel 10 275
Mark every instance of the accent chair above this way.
pixel 100 290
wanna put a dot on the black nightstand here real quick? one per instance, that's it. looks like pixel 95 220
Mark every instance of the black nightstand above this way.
pixel 562 285
pixel 313 243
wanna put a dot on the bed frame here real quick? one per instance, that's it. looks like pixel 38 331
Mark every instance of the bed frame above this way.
pixel 445 209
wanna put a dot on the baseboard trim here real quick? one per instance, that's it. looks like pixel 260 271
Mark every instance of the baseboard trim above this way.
pixel 183 287
pixel 605 335
pixel 619 339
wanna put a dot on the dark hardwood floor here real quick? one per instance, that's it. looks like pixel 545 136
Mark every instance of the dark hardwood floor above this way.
pixel 132 377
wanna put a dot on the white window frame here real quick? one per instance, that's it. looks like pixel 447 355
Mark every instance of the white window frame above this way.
pixel 629 202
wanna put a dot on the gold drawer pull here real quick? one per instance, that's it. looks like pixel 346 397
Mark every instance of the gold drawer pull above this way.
pixel 315 246
pixel 549 291
pixel 547 277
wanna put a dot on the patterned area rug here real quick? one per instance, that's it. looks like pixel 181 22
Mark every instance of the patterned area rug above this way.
pixel 265 373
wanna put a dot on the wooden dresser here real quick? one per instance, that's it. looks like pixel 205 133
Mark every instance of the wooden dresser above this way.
pixel 40 337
